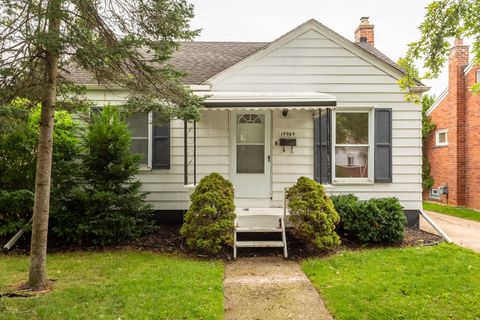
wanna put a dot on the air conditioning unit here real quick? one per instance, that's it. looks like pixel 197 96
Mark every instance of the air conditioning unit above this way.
pixel 435 194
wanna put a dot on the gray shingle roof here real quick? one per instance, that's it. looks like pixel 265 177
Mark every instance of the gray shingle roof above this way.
pixel 202 60
pixel 372 50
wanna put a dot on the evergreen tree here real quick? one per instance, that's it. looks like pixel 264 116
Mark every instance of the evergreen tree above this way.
pixel 107 207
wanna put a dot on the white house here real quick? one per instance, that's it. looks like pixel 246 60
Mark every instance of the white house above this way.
pixel 310 103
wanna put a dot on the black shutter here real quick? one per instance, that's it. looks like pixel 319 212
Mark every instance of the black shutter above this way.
pixel 161 146
pixel 383 145
pixel 322 152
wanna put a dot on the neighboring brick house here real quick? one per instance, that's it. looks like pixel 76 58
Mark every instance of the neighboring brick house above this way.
pixel 454 148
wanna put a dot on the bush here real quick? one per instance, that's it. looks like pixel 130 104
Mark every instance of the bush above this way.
pixel 107 207
pixel 312 214
pixel 379 220
pixel 18 147
pixel 209 223
pixel 15 210
pixel 19 129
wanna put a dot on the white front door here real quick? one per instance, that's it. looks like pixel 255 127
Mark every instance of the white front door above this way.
pixel 250 155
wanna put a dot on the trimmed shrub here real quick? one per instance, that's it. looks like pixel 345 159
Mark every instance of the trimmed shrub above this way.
pixel 312 214
pixel 209 222
pixel 107 207
pixel 15 210
pixel 379 220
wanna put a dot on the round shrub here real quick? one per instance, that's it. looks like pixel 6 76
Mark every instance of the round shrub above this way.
pixel 312 214
pixel 209 223
pixel 378 220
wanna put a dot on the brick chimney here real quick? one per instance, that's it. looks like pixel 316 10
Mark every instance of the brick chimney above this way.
pixel 364 32
pixel 457 61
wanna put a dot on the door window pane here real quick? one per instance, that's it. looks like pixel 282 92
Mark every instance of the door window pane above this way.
pixel 351 162
pixel 250 139
pixel 250 158
pixel 351 128
pixel 250 128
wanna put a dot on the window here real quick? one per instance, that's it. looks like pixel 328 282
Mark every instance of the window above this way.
pixel 139 128
pixel 151 141
pixel 441 138
pixel 478 76
pixel 352 146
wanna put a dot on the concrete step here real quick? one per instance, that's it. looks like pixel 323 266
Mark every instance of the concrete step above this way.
pixel 260 244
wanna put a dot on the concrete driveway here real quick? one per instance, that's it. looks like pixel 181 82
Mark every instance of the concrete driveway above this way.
pixel 463 232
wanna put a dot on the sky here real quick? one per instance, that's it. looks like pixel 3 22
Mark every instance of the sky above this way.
pixel 396 22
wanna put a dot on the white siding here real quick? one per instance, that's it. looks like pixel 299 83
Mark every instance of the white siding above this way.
pixel 288 166
pixel 311 62
pixel 165 187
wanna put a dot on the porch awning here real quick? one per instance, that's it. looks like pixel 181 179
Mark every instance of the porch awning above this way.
pixel 228 100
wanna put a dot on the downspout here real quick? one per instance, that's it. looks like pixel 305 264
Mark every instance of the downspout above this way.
pixel 185 150
pixel 436 227
pixel 15 238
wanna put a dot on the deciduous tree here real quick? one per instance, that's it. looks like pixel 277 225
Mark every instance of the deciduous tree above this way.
pixel 444 21
pixel 123 43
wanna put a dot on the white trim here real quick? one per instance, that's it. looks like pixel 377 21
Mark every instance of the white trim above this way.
pixel 316 26
pixel 437 102
pixel 469 67
pixel 437 136
pixel 150 140
pixel 370 145
pixel 199 87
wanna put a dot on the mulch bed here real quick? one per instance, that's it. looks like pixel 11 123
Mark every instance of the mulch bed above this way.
pixel 167 239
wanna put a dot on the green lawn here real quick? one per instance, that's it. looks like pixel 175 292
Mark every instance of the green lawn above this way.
pixel 117 285
pixel 452 211
pixel 440 282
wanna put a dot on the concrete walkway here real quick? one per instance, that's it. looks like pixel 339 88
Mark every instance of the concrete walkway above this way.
pixel 463 232
pixel 270 288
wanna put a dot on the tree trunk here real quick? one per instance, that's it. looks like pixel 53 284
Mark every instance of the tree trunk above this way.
pixel 37 277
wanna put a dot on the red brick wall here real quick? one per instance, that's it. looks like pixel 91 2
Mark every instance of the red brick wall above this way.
pixel 472 141
pixel 458 164
pixel 448 163
pixel 443 160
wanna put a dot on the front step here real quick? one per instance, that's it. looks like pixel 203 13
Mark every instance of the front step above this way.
pixel 253 229
pixel 260 244
pixel 259 222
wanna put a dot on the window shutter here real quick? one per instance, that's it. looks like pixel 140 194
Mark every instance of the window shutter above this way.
pixel 383 145
pixel 322 152
pixel 161 146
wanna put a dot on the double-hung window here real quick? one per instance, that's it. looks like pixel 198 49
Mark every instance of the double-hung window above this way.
pixel 352 149
pixel 139 128
pixel 151 140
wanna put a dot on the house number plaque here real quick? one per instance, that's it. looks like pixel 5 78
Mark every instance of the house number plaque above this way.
pixel 287 134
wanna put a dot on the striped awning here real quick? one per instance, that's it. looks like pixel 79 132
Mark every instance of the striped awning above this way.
pixel 231 100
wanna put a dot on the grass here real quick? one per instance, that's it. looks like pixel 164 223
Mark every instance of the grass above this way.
pixel 452 211
pixel 440 282
pixel 117 285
